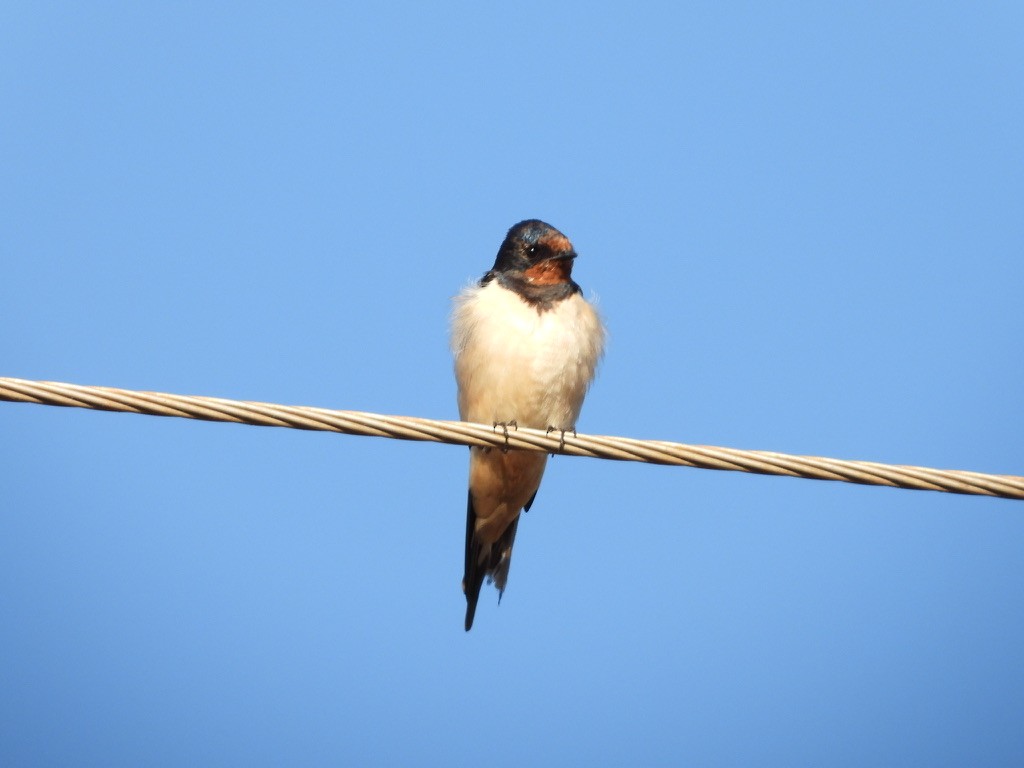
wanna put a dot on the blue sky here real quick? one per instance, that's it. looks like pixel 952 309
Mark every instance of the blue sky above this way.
pixel 803 226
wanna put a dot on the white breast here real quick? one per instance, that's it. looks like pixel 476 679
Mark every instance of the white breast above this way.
pixel 513 362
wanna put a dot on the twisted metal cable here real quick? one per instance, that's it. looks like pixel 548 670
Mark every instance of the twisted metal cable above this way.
pixel 484 435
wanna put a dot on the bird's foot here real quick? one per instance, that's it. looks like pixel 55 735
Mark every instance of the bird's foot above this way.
pixel 504 428
pixel 561 439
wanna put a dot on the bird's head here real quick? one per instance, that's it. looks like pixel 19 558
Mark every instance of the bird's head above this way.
pixel 536 253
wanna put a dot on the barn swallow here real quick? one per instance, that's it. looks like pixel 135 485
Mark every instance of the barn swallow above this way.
pixel 526 345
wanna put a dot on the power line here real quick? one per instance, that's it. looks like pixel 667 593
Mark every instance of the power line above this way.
pixel 485 435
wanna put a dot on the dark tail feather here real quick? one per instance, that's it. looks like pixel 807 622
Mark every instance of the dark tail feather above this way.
pixel 479 568
pixel 472 595
pixel 473 578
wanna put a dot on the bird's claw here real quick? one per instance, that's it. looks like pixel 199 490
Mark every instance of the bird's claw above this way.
pixel 504 428
pixel 561 438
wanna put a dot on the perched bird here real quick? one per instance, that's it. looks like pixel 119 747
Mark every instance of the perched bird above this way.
pixel 526 344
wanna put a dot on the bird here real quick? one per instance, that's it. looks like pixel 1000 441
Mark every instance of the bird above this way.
pixel 526 345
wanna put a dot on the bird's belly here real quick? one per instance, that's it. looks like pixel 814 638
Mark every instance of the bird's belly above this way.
pixel 528 366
